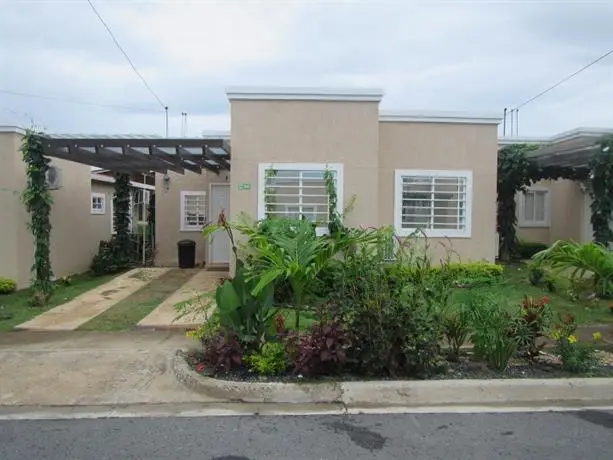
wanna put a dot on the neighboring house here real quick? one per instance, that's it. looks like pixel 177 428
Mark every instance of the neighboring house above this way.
pixel 410 170
pixel 554 210
pixel 81 214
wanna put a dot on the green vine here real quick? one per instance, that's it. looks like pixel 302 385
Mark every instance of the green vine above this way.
pixel 335 222
pixel 513 176
pixel 38 202
pixel 601 191
pixel 516 172
pixel 121 206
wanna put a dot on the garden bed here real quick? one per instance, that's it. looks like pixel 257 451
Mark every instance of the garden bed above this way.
pixel 546 366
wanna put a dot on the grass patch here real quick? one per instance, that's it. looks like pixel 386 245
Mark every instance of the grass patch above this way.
pixel 126 313
pixel 307 318
pixel 515 285
pixel 16 309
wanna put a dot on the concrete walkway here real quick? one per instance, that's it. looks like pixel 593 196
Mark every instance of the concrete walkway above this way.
pixel 91 368
pixel 71 315
pixel 163 317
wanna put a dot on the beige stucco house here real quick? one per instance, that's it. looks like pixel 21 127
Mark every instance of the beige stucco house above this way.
pixel 554 210
pixel 81 214
pixel 435 171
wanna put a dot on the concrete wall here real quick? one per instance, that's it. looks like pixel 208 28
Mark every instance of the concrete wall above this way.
pixel 101 224
pixel 10 203
pixel 265 131
pixel 72 245
pixel 566 201
pixel 444 146
pixel 168 213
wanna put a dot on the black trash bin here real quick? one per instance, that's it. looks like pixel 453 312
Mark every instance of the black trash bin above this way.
pixel 187 253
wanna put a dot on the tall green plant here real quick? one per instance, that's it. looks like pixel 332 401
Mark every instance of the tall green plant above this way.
pixel 601 191
pixel 38 202
pixel 591 259
pixel 121 207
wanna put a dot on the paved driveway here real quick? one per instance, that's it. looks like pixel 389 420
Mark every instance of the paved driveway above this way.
pixel 90 368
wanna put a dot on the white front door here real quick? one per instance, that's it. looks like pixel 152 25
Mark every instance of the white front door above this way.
pixel 219 249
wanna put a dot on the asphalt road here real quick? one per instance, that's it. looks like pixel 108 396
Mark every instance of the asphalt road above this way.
pixel 571 435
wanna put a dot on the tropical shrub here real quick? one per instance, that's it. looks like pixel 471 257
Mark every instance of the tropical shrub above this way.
pixel 494 330
pixel 590 260
pixel 533 324
pixel 456 326
pixel 243 311
pixel 7 285
pixel 394 321
pixel 462 274
pixel 576 356
pixel 271 360
pixel 223 352
pixel 535 274
pixel 111 258
pixel 322 350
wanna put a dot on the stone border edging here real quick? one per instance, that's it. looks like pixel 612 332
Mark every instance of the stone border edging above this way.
pixel 405 393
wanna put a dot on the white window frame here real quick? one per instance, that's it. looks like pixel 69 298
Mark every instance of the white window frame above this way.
pixel 434 233
pixel 521 199
pixel 192 228
pixel 102 196
pixel 336 167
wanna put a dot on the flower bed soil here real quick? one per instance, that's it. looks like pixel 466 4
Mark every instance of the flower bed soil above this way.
pixel 545 367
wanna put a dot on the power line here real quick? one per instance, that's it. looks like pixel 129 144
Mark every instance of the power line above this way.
pixel 108 29
pixel 565 79
pixel 74 101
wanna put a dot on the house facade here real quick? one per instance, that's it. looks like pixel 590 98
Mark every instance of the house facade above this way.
pixel 411 170
pixel 552 210
pixel 81 214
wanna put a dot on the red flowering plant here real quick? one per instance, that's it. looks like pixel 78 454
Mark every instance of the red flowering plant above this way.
pixel 533 324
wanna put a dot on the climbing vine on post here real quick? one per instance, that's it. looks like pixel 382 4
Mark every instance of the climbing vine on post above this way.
pixel 38 201
pixel 513 177
pixel 601 191
pixel 121 218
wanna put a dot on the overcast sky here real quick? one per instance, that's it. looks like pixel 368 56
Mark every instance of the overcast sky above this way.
pixel 478 56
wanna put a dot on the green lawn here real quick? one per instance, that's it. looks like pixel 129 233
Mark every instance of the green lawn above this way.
pixel 16 309
pixel 128 312
pixel 515 285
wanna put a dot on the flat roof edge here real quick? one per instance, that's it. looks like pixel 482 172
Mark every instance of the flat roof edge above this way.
pixel 422 116
pixel 304 94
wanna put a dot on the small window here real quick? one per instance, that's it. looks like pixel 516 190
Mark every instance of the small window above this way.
pixel 98 204
pixel 438 203
pixel 193 211
pixel 534 208
pixel 296 191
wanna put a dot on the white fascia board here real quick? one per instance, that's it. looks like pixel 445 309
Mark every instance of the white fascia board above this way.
pixel 439 117
pixel 12 129
pixel 304 94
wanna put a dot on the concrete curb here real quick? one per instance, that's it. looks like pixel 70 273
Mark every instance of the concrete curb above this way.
pixel 405 393
pixel 255 392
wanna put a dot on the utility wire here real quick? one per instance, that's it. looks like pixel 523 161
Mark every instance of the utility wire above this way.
pixel 565 79
pixel 108 29
pixel 73 101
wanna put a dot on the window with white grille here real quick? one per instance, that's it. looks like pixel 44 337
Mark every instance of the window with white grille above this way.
pixel 534 208
pixel 193 210
pixel 98 205
pixel 296 191
pixel 437 203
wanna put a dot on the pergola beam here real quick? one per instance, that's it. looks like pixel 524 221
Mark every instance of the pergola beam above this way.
pixel 142 154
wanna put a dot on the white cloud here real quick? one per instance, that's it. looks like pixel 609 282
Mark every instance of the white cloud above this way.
pixel 479 56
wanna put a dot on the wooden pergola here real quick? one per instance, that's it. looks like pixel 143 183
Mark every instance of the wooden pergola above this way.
pixel 142 154
pixel 573 149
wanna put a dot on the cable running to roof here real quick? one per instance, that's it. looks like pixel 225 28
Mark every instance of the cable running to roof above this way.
pixel 108 29
pixel 74 101
pixel 565 79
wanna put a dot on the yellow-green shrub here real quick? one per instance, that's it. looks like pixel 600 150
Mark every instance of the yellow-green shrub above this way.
pixel 470 273
pixel 7 285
